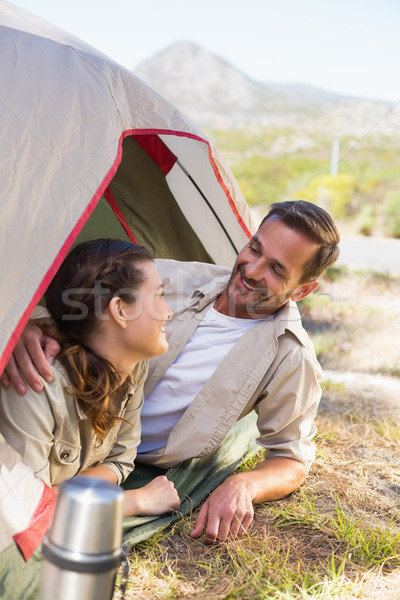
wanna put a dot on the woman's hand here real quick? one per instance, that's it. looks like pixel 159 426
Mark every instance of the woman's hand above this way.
pixel 156 498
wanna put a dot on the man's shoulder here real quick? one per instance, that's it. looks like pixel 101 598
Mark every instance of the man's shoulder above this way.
pixel 294 340
pixel 203 272
pixel 288 320
pixel 181 279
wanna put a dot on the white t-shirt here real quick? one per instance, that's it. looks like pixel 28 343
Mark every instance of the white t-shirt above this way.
pixel 203 352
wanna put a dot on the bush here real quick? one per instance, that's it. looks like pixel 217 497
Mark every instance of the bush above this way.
pixel 262 180
pixel 333 192
pixel 366 220
pixel 391 213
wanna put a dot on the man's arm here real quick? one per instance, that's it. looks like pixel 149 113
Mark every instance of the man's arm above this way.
pixel 33 349
pixel 228 511
pixel 286 411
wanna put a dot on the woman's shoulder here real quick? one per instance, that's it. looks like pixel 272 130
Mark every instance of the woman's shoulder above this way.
pixel 139 375
pixel 60 377
pixel 140 371
pixel 49 400
pixel 55 390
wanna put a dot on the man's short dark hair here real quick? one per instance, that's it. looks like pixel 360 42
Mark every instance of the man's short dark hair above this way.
pixel 316 224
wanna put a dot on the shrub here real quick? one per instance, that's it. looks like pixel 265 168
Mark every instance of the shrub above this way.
pixel 366 220
pixel 262 180
pixel 333 192
pixel 391 213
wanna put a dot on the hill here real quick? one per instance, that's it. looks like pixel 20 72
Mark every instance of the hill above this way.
pixel 216 95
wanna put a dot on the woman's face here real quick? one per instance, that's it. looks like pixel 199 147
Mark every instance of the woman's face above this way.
pixel 145 334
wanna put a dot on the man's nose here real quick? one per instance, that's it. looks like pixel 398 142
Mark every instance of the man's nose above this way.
pixel 255 270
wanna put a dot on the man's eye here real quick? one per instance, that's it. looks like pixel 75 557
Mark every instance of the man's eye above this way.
pixel 277 271
pixel 254 249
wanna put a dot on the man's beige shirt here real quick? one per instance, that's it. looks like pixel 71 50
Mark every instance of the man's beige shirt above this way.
pixel 271 370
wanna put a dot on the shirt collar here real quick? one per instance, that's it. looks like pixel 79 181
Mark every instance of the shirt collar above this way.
pixel 286 319
pixel 206 294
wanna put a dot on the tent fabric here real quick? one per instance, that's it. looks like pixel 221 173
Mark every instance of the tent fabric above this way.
pixel 26 504
pixel 194 480
pixel 68 114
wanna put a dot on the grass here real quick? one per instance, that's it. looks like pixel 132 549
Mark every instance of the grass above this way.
pixel 338 536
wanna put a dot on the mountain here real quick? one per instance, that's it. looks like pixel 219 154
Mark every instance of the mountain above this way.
pixel 214 94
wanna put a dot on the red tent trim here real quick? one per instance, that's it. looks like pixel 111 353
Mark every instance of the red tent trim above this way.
pixel 109 196
pixel 30 538
pixel 228 195
pixel 157 150
pixel 192 136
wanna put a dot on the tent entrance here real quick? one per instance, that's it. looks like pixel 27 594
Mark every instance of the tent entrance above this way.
pixel 146 207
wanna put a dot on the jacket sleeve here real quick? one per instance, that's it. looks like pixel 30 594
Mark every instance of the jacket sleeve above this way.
pixel 121 459
pixel 287 408
pixel 27 424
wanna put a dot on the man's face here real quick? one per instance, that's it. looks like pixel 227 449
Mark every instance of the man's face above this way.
pixel 268 271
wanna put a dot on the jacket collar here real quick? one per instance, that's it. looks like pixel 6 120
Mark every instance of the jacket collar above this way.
pixel 286 318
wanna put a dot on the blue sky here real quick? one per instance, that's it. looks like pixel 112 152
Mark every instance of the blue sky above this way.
pixel 347 46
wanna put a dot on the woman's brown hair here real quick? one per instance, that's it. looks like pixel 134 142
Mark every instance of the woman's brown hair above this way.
pixel 90 276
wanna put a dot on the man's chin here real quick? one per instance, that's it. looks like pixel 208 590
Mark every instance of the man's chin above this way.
pixel 252 310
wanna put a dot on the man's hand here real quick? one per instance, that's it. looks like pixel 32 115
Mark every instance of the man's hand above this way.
pixel 228 511
pixel 34 350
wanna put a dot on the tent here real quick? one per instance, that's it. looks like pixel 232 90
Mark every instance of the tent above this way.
pixel 88 150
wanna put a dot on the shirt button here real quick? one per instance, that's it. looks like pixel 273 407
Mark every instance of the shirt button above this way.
pixel 65 455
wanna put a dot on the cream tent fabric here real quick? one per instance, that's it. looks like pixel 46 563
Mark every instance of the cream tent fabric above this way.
pixel 88 149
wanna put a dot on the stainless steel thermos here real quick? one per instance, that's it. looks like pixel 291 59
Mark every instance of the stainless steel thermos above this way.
pixel 83 549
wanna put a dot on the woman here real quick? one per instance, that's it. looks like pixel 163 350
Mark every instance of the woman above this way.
pixel 108 312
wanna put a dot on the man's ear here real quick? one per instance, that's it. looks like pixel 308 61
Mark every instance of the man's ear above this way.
pixel 117 312
pixel 305 289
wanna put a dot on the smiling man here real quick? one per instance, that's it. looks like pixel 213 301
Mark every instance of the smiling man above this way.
pixel 237 345
pixel 268 272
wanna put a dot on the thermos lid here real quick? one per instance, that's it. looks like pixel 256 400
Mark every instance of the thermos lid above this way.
pixel 88 516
